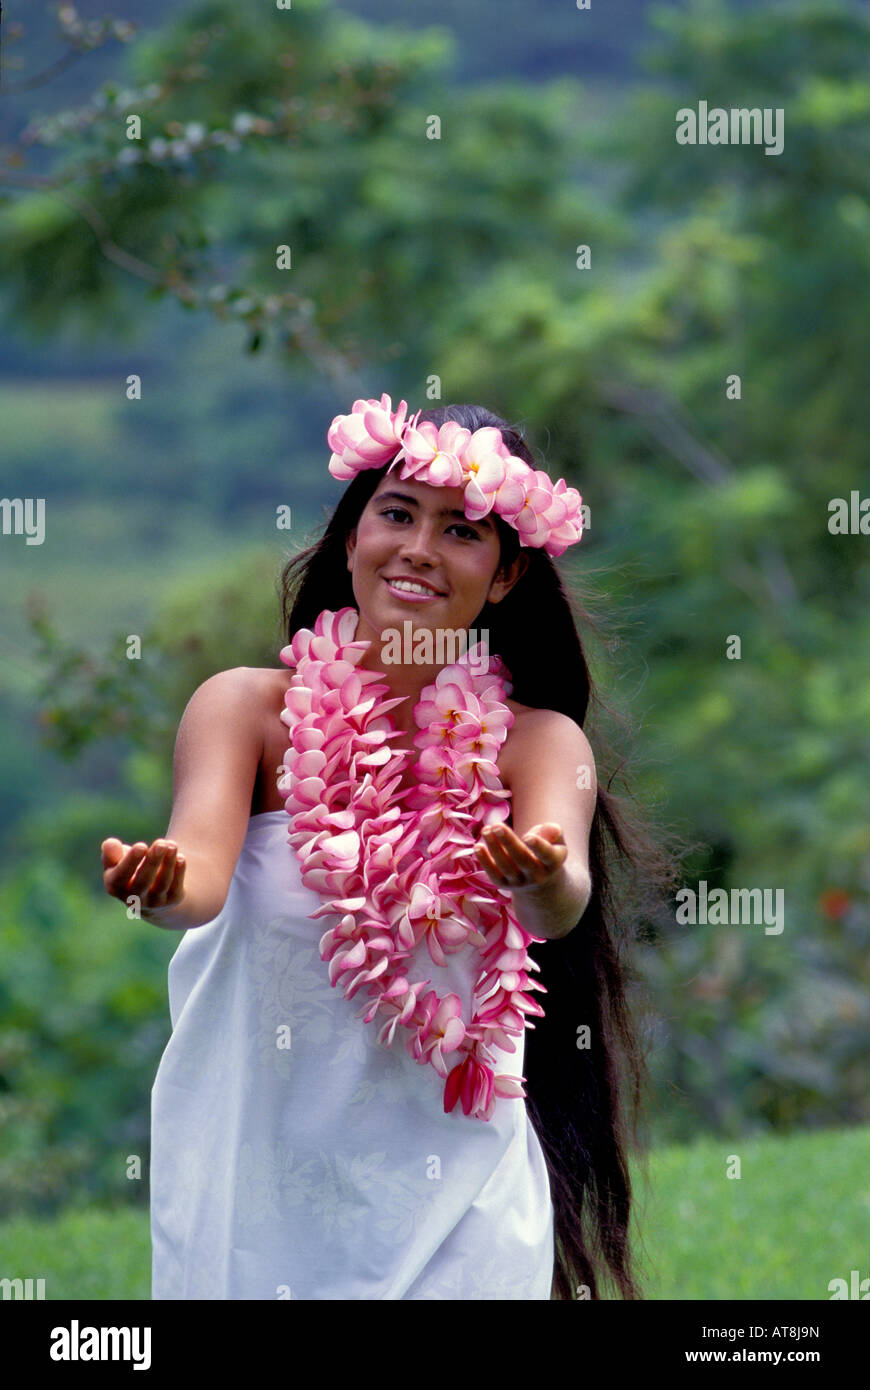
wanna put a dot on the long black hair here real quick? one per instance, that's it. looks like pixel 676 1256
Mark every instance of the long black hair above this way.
pixel 583 1102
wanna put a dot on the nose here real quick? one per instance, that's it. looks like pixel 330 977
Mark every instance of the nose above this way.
pixel 419 544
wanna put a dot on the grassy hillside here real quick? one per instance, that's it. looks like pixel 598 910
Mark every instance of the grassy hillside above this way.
pixel 798 1217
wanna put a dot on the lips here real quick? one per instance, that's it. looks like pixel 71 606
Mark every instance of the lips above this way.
pixel 409 579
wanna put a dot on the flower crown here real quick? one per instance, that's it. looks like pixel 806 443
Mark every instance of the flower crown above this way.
pixel 544 513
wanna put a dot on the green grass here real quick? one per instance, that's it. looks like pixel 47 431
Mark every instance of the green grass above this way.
pixel 798 1217
pixel 81 1254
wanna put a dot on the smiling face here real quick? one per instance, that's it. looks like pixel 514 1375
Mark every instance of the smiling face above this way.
pixel 411 531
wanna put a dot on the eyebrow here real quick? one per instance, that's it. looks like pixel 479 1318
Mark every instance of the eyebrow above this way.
pixel 445 511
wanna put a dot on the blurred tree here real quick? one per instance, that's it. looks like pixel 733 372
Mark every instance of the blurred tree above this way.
pixel 458 258
pixel 254 138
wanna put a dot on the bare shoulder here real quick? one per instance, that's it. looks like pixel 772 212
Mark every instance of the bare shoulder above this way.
pixel 269 681
pixel 543 735
pixel 244 694
pixel 265 687
pixel 243 677
pixel 279 676
pixel 236 683
pixel 233 700
pixel 269 685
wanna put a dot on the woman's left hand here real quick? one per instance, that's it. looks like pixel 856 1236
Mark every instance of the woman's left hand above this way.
pixel 526 863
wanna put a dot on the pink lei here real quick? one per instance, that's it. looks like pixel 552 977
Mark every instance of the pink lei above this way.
pixel 399 866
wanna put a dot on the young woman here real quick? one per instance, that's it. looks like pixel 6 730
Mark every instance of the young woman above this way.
pixel 359 1112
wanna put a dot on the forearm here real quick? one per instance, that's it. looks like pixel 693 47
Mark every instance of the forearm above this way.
pixel 201 902
pixel 553 909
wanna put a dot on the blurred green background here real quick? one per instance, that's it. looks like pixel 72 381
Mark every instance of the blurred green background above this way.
pixel 451 263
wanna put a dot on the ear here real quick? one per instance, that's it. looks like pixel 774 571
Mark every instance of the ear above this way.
pixel 350 546
pixel 505 580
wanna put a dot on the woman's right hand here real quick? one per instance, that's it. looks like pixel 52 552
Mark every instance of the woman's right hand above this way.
pixel 152 873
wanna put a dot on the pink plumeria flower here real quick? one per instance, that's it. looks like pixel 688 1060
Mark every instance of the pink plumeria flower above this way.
pixel 444 1031
pixel 440 702
pixel 472 1083
pixel 433 455
pixel 401 1008
pixel 484 730
pixel 367 438
pixel 511 494
pixel 485 470
pixel 438 766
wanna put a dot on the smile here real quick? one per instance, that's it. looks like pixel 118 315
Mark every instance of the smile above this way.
pixel 408 590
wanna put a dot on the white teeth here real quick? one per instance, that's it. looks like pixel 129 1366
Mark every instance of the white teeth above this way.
pixel 411 587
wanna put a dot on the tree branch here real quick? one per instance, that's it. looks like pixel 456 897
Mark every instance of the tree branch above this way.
pixel 703 463
pixel 95 221
pixel 41 78
pixel 708 465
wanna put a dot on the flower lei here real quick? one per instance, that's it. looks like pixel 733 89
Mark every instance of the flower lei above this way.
pixel 544 513
pixel 397 876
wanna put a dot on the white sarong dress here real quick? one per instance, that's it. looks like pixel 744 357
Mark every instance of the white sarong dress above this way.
pixel 294 1156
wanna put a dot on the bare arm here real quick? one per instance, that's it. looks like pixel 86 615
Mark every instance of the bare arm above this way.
pixel 182 879
pixel 544 856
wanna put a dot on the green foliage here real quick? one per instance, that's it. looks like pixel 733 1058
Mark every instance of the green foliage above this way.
pixel 238 105
pixel 141 698
pixel 83 1254
pixel 457 258
pixel 82 1002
